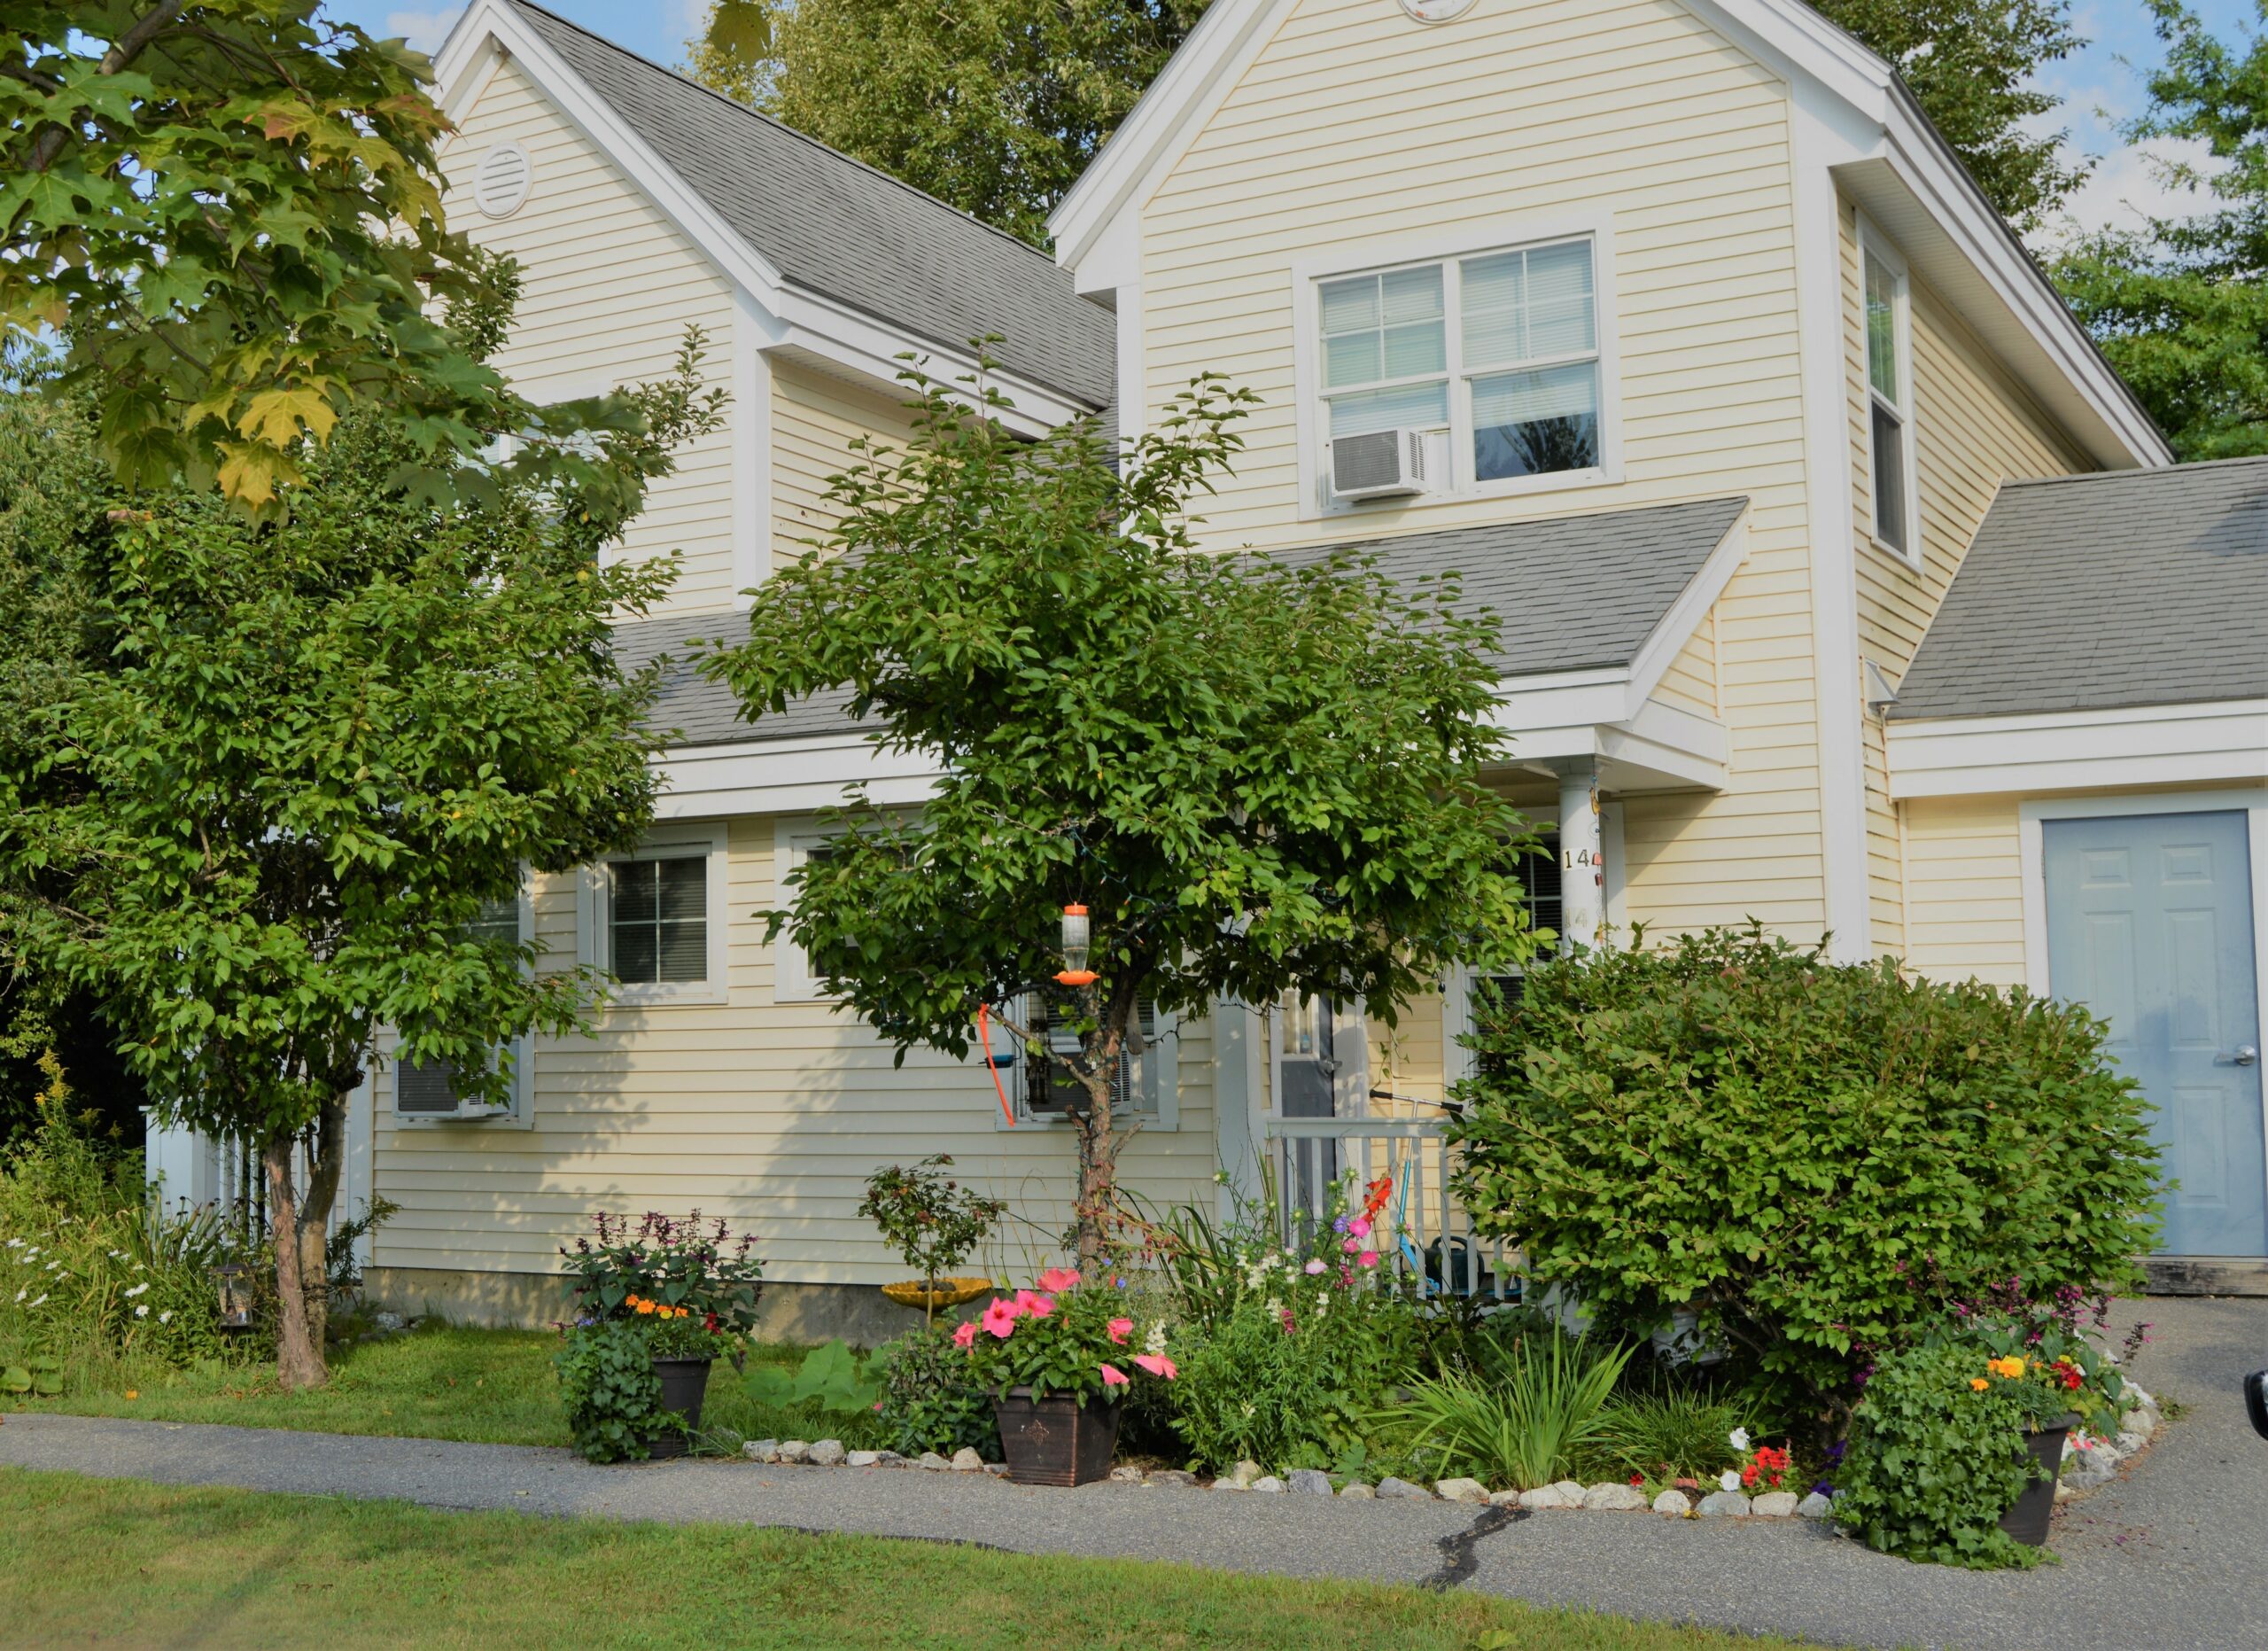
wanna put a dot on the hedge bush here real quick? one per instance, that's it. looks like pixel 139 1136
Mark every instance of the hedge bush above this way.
pixel 1816 1158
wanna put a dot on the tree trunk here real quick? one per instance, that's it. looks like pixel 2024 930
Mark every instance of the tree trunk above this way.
pixel 299 1227
pixel 1098 1193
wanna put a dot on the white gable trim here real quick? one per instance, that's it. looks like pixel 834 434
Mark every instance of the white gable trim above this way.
pixel 491 30
pixel 2217 741
pixel 1786 36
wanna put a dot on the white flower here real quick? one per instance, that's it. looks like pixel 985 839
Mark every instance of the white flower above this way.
pixel 136 1290
pixel 1273 1305
pixel 1156 1342
pixel 1739 1436
pixel 1250 1410
pixel 1728 1480
pixel 15 1244
pixel 141 1311
pixel 38 1299
pixel 167 1317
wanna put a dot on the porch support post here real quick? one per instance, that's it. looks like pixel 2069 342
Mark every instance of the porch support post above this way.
pixel 1582 865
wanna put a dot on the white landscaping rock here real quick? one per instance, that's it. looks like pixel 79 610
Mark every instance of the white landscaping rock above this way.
pixel 864 1459
pixel 1356 1490
pixel 1405 1490
pixel 1230 1484
pixel 967 1460
pixel 1461 1491
pixel 1814 1506
pixel 1126 1476
pixel 761 1450
pixel 2131 1442
pixel 795 1450
pixel 1774 1505
pixel 998 1470
pixel 1547 1496
pixel 1245 1473
pixel 827 1453
pixel 1731 1504
pixel 1615 1499
pixel 1569 1489
pixel 1503 1499
pixel 1310 1481
pixel 1672 1502
pixel 1269 1484
pixel 934 1463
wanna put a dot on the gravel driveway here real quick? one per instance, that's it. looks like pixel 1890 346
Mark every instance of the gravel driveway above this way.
pixel 2165 1557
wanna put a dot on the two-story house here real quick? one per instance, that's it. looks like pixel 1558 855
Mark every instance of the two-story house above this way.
pixel 1843 584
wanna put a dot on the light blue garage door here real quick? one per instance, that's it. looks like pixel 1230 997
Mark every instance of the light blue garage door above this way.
pixel 2149 922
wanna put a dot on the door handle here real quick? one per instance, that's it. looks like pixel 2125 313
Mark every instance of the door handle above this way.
pixel 2247 1054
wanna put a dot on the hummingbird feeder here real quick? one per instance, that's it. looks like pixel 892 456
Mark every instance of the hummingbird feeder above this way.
pixel 1074 971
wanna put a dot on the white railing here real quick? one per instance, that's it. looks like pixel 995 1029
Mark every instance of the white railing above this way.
pixel 1422 1231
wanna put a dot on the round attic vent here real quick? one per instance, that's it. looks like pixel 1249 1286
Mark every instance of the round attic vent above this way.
pixel 1436 11
pixel 501 182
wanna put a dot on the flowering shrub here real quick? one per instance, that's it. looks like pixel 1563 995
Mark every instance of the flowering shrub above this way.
pixel 932 1399
pixel 668 1262
pixel 675 1332
pixel 1937 1452
pixel 1293 1346
pixel 1063 1338
pixel 1816 1159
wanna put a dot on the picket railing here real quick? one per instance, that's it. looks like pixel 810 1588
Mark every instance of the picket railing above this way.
pixel 1423 1232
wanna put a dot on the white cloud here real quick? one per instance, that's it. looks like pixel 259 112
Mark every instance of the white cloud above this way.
pixel 2129 186
pixel 424 30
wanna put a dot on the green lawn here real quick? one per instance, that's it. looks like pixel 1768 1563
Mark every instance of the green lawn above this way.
pixel 494 1387
pixel 120 1561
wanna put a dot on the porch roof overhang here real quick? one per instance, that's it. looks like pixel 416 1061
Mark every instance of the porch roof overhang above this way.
pixel 1592 611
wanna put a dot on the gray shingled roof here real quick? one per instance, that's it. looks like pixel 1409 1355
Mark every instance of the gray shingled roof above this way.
pixel 1573 593
pixel 2089 593
pixel 848 232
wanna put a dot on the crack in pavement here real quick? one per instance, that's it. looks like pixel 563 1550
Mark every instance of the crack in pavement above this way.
pixel 1458 1560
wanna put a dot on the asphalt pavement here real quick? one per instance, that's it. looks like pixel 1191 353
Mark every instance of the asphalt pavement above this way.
pixel 2167 1556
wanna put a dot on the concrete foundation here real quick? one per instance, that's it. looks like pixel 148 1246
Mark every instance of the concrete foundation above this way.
pixel 2207 1276
pixel 859 1313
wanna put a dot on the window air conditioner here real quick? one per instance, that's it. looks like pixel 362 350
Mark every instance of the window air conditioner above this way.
pixel 429 1091
pixel 1381 464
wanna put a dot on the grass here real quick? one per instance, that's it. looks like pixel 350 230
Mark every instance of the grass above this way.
pixel 122 1562
pixel 438 1382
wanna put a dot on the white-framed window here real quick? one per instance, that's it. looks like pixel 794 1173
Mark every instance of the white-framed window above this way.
pixel 425 1092
pixel 795 843
pixel 1502 353
pixel 1886 312
pixel 1147 1085
pixel 655 918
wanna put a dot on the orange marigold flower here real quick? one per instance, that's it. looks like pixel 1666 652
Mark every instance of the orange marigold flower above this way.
pixel 1980 1384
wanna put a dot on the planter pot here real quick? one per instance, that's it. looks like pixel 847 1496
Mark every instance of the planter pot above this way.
pixel 684 1381
pixel 2027 1520
pixel 1057 1440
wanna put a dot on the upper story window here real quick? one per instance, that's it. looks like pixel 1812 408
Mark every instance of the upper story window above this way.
pixel 654 918
pixel 1495 362
pixel 1890 400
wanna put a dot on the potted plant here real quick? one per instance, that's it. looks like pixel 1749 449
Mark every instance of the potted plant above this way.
pixel 1056 1361
pixel 934 1223
pixel 657 1303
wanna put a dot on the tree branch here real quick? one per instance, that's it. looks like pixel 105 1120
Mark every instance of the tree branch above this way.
pixel 122 51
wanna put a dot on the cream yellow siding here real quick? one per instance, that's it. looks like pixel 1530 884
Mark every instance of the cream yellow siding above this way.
pixel 817 417
pixel 1964 889
pixel 612 286
pixel 769 1114
pixel 1973 429
pixel 1355 130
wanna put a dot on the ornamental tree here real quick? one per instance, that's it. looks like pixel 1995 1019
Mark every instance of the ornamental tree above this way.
pixel 1262 776
pixel 259 821
pixel 231 210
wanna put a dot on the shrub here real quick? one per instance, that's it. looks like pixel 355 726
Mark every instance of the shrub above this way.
pixel 931 1398
pixel 1937 1452
pixel 1677 1433
pixel 1816 1158
pixel 670 1263
pixel 1539 1421
pixel 612 1395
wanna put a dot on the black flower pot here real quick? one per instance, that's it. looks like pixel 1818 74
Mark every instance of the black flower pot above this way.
pixel 1056 1440
pixel 684 1381
pixel 2027 1520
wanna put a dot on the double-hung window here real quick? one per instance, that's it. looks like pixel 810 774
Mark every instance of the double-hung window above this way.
pixel 427 1091
pixel 655 918
pixel 1495 357
pixel 1890 402
pixel 1144 1086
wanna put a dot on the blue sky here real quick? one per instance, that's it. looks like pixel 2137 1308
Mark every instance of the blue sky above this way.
pixel 2101 85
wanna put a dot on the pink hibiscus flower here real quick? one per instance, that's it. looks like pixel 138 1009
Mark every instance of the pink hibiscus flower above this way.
pixel 1157 1365
pixel 965 1333
pixel 1119 1330
pixel 1112 1376
pixel 1055 1280
pixel 1040 1306
pixel 1000 1317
